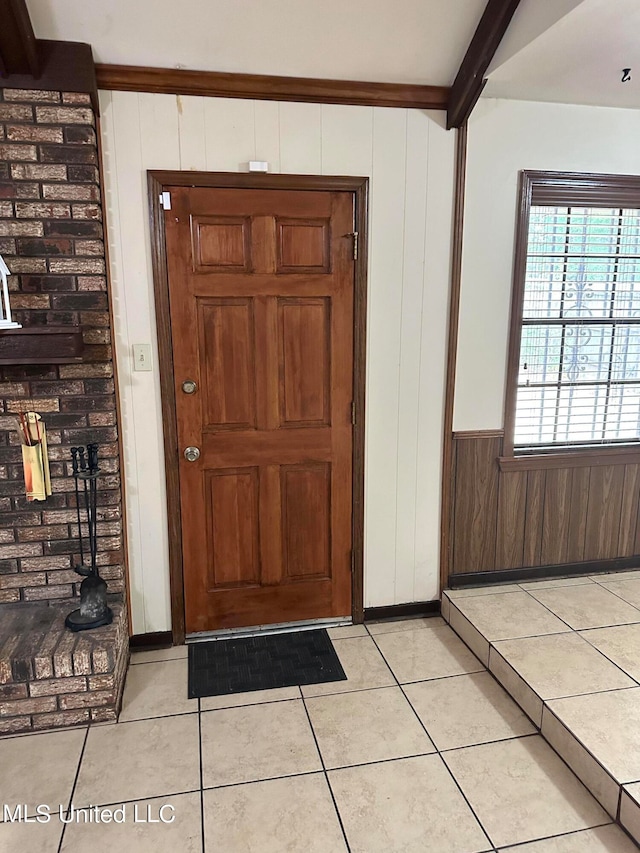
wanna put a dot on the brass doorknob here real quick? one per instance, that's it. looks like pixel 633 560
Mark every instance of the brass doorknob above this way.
pixel 191 454
pixel 189 386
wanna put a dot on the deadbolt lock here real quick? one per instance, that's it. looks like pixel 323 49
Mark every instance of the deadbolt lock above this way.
pixel 192 454
pixel 189 386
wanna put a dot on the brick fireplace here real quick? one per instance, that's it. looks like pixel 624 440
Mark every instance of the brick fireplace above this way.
pixel 51 236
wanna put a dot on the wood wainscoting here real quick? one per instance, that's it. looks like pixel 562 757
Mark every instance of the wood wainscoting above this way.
pixel 544 516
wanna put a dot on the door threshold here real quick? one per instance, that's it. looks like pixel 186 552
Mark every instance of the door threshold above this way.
pixel 262 630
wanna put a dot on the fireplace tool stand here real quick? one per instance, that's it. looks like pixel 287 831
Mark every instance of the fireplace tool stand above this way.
pixel 94 610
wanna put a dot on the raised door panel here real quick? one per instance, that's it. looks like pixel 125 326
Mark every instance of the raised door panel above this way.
pixel 304 245
pixel 221 244
pixel 304 328
pixel 232 519
pixel 227 363
pixel 306 521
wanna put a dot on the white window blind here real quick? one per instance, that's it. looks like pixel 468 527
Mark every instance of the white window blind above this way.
pixel 579 368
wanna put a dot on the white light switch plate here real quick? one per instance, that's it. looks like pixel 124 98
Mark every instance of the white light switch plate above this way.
pixel 142 356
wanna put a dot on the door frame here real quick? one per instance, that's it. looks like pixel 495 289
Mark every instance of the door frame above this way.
pixel 158 182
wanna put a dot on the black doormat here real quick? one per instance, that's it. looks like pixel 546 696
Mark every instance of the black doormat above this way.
pixel 220 667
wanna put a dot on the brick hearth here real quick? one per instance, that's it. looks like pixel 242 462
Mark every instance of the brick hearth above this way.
pixel 50 677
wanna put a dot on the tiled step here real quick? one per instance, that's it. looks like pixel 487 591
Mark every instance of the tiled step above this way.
pixel 568 652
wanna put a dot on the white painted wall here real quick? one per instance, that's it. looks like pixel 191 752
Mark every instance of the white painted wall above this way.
pixel 409 157
pixel 505 137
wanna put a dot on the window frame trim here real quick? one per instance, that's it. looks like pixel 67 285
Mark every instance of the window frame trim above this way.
pixel 550 188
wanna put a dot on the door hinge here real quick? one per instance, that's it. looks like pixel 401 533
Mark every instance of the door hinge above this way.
pixel 353 412
pixel 355 235
pixel 165 200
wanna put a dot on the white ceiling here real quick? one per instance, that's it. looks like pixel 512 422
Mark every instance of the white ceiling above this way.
pixel 403 41
pixel 578 60
pixel 531 19
pixel 570 51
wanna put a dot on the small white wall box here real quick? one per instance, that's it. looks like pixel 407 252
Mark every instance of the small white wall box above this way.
pixel 258 166
pixel 5 309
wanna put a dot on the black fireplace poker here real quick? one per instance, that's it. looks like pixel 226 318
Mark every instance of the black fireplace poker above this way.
pixel 94 610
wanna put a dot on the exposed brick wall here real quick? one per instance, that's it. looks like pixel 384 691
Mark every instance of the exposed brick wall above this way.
pixel 51 236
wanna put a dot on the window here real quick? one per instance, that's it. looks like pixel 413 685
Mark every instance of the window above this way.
pixel 574 372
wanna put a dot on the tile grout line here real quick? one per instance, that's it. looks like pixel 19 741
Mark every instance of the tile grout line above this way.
pixel 326 775
pixel 548 699
pixel 568 630
pixel 561 835
pixel 73 787
pixel 258 781
pixel 618 596
pixel 575 630
pixel 202 836
pixel 438 752
pixel 140 799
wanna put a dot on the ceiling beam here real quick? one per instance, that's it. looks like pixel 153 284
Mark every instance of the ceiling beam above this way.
pixel 470 80
pixel 19 52
pixel 181 81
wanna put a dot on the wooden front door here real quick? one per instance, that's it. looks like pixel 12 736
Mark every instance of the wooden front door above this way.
pixel 261 289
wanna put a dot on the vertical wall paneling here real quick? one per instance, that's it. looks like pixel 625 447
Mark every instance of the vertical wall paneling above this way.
pixel 159 135
pixel 476 506
pixel 415 178
pixel 629 510
pixel 555 516
pixel 134 323
pixel 230 138
pixel 385 295
pixel 433 348
pixel 191 129
pixel 512 502
pixel 603 512
pixel 409 158
pixel 534 515
pixel 413 261
pixel 121 340
pixel 347 140
pixel 543 517
pixel 267 130
pixel 301 138
pixel 578 514
pixel 159 143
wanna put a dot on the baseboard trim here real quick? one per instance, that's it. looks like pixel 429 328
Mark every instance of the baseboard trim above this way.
pixel 402 611
pixel 591 567
pixel 153 640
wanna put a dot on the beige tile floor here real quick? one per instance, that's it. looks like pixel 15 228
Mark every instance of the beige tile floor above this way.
pixel 419 750
pixel 568 651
